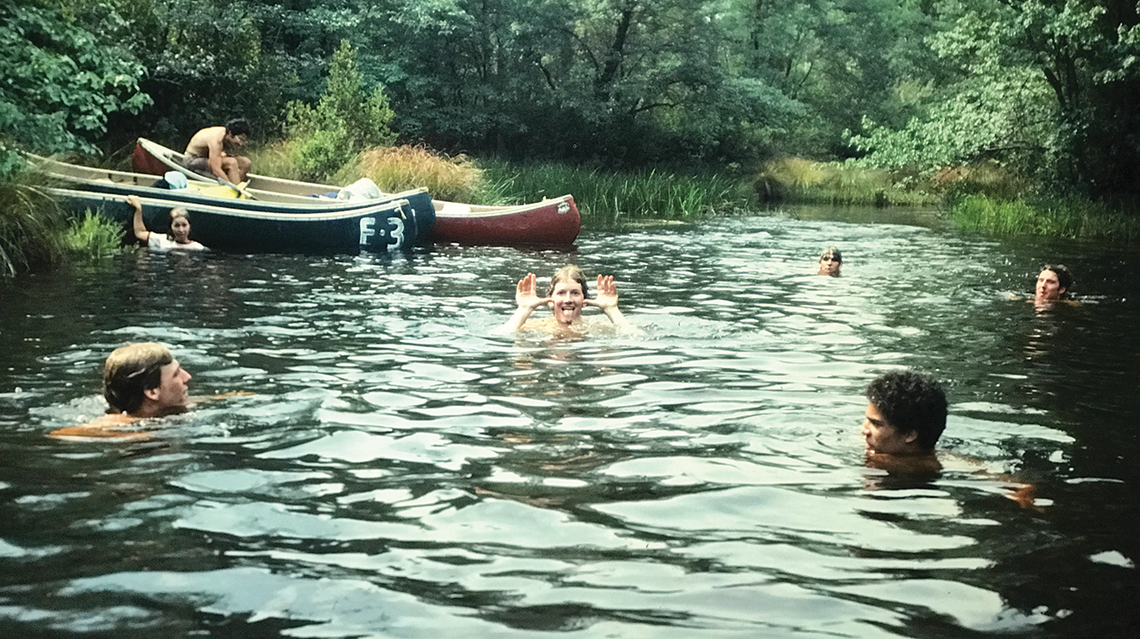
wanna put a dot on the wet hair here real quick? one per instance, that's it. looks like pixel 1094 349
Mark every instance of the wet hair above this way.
pixel 1064 277
pixel 568 273
pixel 239 126
pixel 832 252
pixel 910 402
pixel 129 371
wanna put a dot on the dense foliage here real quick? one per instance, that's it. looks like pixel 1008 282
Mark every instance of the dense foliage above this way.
pixel 1044 87
pixel 59 81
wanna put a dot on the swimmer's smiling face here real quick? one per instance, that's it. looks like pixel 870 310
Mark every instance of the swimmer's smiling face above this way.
pixel 567 301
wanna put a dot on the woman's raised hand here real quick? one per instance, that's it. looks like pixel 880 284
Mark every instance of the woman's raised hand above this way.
pixel 526 293
pixel 607 295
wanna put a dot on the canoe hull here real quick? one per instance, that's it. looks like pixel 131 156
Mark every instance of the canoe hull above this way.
pixel 549 223
pixel 383 227
pixel 554 222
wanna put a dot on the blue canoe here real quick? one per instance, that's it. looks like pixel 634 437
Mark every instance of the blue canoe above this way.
pixel 380 227
pixel 419 210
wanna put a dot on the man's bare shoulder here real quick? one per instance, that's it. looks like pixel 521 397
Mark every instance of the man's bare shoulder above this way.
pixel 112 426
pixel 201 141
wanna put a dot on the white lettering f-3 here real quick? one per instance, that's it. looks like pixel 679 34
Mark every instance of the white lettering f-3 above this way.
pixel 366 229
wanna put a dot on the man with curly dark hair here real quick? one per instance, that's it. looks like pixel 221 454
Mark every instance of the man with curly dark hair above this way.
pixel 905 415
pixel 209 152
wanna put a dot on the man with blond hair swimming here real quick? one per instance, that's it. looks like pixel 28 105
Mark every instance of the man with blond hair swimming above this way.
pixel 140 380
pixel 567 295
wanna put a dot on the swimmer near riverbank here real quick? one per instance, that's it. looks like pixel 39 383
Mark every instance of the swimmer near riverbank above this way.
pixel 905 416
pixel 567 296
pixel 140 381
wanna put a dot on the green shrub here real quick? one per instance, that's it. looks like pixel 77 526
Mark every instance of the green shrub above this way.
pixel 93 237
pixel 345 121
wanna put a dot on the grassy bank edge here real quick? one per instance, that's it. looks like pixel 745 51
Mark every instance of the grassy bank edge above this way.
pixel 1059 217
pixel 36 232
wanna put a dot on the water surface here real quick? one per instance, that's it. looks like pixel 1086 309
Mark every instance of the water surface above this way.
pixel 401 472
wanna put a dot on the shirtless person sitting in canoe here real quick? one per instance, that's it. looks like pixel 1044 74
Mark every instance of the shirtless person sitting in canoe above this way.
pixel 207 151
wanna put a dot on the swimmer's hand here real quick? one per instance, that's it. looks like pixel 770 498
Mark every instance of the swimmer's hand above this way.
pixel 607 300
pixel 527 299
pixel 526 294
pixel 607 295
pixel 1025 496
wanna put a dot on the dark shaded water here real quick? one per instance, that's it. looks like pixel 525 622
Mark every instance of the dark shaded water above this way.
pixel 401 473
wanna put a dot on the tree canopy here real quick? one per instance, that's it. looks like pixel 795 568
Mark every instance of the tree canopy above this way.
pixel 1046 87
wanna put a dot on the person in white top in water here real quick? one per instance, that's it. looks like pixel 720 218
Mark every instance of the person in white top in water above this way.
pixel 567 295
pixel 179 237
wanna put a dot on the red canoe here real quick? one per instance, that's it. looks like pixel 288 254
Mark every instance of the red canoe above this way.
pixel 554 222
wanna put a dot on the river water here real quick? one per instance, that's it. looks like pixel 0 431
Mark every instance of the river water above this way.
pixel 400 471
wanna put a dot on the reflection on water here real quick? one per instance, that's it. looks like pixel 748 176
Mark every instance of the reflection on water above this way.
pixel 401 472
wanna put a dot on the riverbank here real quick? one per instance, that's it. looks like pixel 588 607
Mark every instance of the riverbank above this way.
pixel 35 233
pixel 1072 217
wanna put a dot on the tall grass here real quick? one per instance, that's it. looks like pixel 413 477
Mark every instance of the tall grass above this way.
pixel 1058 217
pixel 93 237
pixel 277 159
pixel 393 169
pixel 400 168
pixel 608 200
pixel 804 181
pixel 605 199
pixel 30 225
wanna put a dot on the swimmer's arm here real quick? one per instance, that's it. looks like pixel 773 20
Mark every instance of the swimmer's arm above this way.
pixel 527 299
pixel 141 233
pixel 105 427
pixel 213 398
pixel 217 152
pixel 1023 493
pixel 96 431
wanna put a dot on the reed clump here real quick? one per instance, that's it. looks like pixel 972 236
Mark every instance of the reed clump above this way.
pixel 400 168
pixel 608 199
pixel 93 237
pixel 30 225
pixel 1065 217
pixel 392 168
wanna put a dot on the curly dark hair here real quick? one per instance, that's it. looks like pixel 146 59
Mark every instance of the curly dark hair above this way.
pixel 910 402
pixel 239 126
